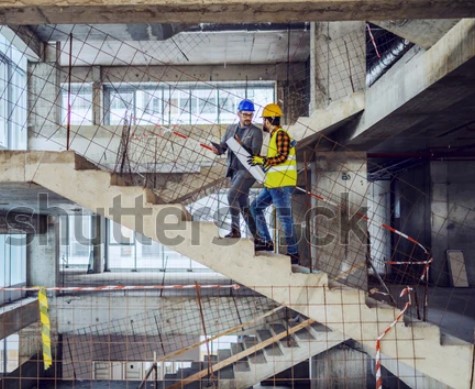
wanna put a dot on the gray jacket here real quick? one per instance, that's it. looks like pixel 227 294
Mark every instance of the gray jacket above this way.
pixel 251 139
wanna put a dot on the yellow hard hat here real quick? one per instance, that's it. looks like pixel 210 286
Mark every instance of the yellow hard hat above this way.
pixel 272 111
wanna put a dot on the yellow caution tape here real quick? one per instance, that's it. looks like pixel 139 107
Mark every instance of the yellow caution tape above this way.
pixel 45 328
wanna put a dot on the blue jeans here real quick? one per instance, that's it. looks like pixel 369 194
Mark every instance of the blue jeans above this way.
pixel 282 200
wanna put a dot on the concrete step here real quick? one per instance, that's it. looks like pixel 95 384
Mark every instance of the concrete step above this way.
pixel 269 275
pixel 288 341
pixel 224 354
pixel 272 349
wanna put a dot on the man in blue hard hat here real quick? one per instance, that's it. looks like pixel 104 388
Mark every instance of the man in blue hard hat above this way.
pixel 250 138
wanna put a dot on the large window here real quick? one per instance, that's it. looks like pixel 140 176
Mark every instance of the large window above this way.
pixel 13 97
pixel 201 103
pixel 76 105
pixel 126 250
pixel 12 264
pixel 9 353
pixel 132 251
pixel 76 235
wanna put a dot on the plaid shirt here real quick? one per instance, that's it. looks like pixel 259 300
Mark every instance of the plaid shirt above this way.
pixel 283 148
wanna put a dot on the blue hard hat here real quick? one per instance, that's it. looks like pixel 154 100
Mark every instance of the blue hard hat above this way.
pixel 246 105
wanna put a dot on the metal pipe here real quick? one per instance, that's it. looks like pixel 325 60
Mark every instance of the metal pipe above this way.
pixel 386 61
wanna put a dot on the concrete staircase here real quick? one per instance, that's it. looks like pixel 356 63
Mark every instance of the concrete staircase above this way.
pixel 193 186
pixel 348 311
pixel 258 355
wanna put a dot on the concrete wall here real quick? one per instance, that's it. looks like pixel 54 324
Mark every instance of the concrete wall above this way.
pixel 337 61
pixel 453 217
pixel 341 367
pixel 379 212
pixel 42 256
pixel 339 234
pixel 80 351
pixel 411 215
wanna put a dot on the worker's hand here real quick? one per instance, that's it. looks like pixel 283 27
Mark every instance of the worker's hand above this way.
pixel 214 150
pixel 256 160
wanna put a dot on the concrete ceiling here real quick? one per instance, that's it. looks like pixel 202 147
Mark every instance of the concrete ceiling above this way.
pixel 440 118
pixel 167 44
pixel 228 11
pixel 30 198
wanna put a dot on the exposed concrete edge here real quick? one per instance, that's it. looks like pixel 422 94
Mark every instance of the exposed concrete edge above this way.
pixel 411 30
pixel 249 11
pixel 396 88
pixel 24 40
pixel 324 118
pixel 402 371
pixel 18 315
pixel 271 276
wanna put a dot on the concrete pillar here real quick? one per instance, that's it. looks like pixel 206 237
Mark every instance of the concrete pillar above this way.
pixel 96 95
pixel 452 217
pixel 440 209
pixel 340 367
pixel 44 102
pixel 293 92
pixel 42 256
pixel 337 61
pixel 339 234
pixel 98 244
pixel 379 212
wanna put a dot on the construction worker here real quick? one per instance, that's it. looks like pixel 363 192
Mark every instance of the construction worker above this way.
pixel 250 138
pixel 280 181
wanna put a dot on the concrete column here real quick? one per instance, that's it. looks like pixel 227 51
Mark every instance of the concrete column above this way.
pixel 339 367
pixel 379 212
pixel 96 95
pixel 98 244
pixel 337 61
pixel 293 91
pixel 42 256
pixel 439 209
pixel 452 217
pixel 339 234
pixel 44 102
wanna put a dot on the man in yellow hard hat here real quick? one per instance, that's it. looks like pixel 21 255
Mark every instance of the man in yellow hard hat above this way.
pixel 280 165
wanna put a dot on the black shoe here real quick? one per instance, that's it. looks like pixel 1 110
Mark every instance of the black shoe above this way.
pixel 294 258
pixel 233 234
pixel 260 245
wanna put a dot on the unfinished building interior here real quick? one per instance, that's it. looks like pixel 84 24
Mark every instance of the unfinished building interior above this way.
pixel 115 272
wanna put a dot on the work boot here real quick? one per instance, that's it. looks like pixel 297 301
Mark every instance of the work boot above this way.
pixel 260 245
pixel 236 234
pixel 294 258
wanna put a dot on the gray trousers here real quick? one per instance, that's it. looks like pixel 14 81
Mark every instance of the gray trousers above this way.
pixel 238 200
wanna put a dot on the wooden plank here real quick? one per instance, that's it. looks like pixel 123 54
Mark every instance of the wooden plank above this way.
pixel 242 354
pixel 458 273
pixel 229 331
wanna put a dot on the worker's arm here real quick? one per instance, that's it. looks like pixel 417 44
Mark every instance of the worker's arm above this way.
pixel 283 149
pixel 221 148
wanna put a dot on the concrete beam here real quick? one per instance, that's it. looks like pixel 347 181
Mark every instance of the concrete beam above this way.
pixel 228 11
pixel 426 85
pixel 22 223
pixel 24 40
pixel 424 33
pixel 16 316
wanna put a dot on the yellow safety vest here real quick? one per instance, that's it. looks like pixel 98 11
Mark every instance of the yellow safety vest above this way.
pixel 284 174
